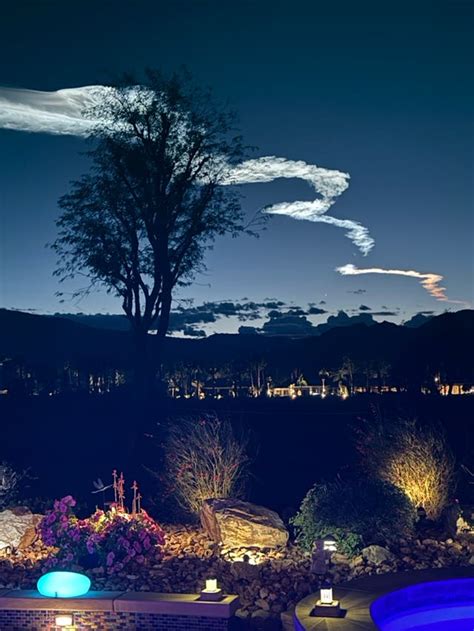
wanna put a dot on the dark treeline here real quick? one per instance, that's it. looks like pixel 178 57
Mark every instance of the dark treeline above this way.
pixel 49 355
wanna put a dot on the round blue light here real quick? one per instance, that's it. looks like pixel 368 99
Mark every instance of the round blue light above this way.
pixel 63 584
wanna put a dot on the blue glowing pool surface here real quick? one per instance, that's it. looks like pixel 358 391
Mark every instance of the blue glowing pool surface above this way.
pixel 437 606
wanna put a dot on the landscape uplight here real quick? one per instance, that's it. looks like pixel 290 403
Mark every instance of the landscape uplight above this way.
pixel 64 621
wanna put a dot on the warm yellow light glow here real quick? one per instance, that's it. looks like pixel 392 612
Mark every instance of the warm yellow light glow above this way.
pixel 326 596
pixel 249 557
pixel 211 585
pixel 64 621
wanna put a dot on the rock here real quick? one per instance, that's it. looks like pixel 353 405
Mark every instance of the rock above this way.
pixel 339 558
pixel 243 614
pixel 245 571
pixel 18 528
pixel 356 561
pixel 234 523
pixel 376 555
pixel 260 614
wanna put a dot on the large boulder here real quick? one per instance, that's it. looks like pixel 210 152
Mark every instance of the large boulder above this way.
pixel 377 555
pixel 18 528
pixel 237 524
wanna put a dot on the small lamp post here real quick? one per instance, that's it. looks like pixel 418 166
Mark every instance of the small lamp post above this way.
pixel 330 543
pixel 321 554
pixel 211 592
pixel 326 606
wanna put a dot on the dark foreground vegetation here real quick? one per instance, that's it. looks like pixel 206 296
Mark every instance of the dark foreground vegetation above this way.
pixel 68 441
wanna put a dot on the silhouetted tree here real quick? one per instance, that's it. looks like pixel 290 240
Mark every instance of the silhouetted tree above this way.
pixel 345 374
pixel 138 223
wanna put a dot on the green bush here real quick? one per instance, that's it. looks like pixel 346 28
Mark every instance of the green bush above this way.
pixel 358 512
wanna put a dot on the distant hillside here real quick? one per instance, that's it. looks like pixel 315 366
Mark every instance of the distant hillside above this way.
pixel 50 339
pixel 444 342
pixel 279 323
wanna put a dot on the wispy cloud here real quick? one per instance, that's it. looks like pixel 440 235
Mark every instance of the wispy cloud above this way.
pixel 328 183
pixel 62 113
pixel 431 282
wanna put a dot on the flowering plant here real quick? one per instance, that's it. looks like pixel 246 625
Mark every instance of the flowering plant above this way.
pixel 61 529
pixel 113 539
pixel 127 540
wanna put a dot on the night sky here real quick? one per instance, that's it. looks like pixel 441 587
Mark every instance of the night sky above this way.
pixel 382 91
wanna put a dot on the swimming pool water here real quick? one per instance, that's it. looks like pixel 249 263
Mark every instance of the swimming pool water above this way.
pixel 437 606
pixel 445 619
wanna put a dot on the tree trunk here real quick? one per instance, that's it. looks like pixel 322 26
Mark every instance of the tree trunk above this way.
pixel 144 373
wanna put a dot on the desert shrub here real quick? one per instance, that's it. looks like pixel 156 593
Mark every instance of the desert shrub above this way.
pixel 204 459
pixel 10 483
pixel 358 512
pixel 414 458
pixel 113 539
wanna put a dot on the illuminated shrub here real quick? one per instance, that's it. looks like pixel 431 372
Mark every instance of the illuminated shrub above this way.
pixel 413 458
pixel 114 539
pixel 358 512
pixel 204 459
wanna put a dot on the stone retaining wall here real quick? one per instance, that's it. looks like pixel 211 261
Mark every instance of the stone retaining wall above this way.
pixel 39 620
pixel 115 611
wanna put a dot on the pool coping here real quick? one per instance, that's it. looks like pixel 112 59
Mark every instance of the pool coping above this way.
pixel 356 597
pixel 118 601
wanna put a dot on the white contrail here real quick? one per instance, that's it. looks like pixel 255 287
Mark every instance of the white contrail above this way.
pixel 328 183
pixel 62 113
pixel 431 282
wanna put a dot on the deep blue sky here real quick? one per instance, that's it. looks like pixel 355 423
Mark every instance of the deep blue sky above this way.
pixel 382 90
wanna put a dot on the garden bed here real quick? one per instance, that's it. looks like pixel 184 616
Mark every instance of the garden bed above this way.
pixel 272 583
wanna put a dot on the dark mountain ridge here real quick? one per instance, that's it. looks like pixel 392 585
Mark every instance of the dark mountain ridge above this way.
pixel 445 342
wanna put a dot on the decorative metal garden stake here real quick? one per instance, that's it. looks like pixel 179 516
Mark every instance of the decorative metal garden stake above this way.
pixel 121 492
pixel 134 500
pixel 114 475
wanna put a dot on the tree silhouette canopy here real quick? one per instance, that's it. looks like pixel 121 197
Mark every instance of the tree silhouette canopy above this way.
pixel 139 222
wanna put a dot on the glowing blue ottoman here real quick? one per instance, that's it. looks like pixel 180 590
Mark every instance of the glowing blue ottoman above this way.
pixel 63 584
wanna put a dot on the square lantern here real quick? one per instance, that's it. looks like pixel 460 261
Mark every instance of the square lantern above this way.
pixel 211 592
pixel 326 606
